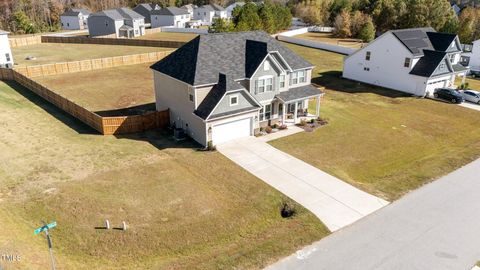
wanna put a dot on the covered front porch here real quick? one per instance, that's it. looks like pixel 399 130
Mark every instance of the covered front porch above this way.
pixel 294 103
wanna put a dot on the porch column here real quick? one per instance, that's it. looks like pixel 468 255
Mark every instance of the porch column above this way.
pixel 283 113
pixel 317 107
pixel 295 113
pixel 464 75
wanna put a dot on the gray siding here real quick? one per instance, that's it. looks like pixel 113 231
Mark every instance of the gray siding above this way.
pixel 441 69
pixel 454 48
pixel 224 105
pixel 273 71
pixel 97 26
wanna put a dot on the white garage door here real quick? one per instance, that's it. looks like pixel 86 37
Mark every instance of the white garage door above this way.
pixel 231 130
pixel 432 86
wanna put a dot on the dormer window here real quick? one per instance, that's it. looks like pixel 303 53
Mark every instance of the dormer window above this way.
pixel 234 100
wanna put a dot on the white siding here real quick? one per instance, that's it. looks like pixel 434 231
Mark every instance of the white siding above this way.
pixel 4 50
pixel 386 66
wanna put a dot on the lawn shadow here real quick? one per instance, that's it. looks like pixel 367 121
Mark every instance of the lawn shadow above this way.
pixel 62 116
pixel 333 80
pixel 161 139
pixel 134 110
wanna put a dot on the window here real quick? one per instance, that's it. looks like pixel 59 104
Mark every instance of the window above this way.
pixel 136 32
pixel 293 78
pixel 452 58
pixel 269 84
pixel 367 55
pixel 266 65
pixel 7 55
pixel 407 62
pixel 106 23
pixel 234 100
pixel 266 112
pixel 442 66
pixel 301 76
pixel 198 13
pixel 282 81
pixel 260 86
pixel 205 13
pixel 190 97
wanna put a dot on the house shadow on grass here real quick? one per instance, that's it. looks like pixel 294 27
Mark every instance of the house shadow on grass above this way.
pixel 62 116
pixel 333 80
pixel 161 139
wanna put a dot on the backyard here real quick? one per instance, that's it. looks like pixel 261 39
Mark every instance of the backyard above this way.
pixel 47 53
pixel 380 140
pixel 169 36
pixel 106 89
pixel 329 38
pixel 182 212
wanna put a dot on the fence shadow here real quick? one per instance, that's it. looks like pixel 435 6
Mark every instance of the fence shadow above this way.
pixel 333 80
pixel 134 110
pixel 67 119
pixel 161 139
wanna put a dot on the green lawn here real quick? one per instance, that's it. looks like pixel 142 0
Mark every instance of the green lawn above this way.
pixel 106 89
pixel 47 53
pixel 185 209
pixel 169 36
pixel 380 140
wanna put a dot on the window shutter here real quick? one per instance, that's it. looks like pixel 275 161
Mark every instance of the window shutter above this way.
pixel 256 87
pixel 290 78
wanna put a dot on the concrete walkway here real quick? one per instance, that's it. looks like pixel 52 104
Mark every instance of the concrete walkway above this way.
pixel 336 203
pixel 434 227
pixel 470 105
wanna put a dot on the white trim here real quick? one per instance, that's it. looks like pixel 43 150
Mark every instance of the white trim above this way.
pixel 234 96
pixel 230 115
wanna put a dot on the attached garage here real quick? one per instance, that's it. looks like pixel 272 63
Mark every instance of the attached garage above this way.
pixel 431 86
pixel 231 130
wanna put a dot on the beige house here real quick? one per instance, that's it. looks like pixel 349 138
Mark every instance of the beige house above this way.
pixel 220 87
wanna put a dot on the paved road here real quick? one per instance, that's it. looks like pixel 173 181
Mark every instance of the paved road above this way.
pixel 435 227
pixel 336 203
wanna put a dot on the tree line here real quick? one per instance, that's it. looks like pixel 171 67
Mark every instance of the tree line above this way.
pixel 267 16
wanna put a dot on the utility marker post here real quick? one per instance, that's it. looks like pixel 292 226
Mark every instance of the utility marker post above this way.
pixel 45 229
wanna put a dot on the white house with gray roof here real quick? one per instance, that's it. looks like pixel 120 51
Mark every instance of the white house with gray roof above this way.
pixel 145 10
pixel 119 23
pixel 219 87
pixel 204 14
pixel 6 58
pixel 170 16
pixel 75 19
pixel 415 61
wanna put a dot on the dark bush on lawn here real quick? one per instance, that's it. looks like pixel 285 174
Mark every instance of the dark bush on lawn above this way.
pixel 288 210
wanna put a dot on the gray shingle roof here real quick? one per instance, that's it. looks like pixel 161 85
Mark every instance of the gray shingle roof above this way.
pixel 415 39
pixel 225 84
pixel 441 41
pixel 297 93
pixel 209 7
pixel 217 7
pixel 172 11
pixel 201 60
pixel 118 14
pixel 428 63
pixel 76 12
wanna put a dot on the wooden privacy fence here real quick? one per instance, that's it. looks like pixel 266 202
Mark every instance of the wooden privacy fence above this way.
pixel 113 41
pixel 104 125
pixel 91 64
pixel 24 41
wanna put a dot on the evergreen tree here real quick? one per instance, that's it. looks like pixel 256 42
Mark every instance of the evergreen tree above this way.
pixel 367 33
pixel 220 25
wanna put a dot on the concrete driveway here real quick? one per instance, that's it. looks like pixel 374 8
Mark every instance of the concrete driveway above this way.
pixel 336 203
pixel 470 105
pixel 434 227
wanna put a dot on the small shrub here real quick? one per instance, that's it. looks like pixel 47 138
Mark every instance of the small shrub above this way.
pixel 275 125
pixel 312 121
pixel 210 146
pixel 302 123
pixel 282 127
pixel 288 210
pixel 268 129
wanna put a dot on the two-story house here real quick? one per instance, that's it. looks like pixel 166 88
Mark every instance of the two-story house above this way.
pixel 145 10
pixel 6 58
pixel 170 16
pixel 415 61
pixel 204 14
pixel 74 19
pixel 219 87
pixel 120 22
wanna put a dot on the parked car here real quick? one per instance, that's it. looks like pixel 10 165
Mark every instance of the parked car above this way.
pixel 449 94
pixel 471 95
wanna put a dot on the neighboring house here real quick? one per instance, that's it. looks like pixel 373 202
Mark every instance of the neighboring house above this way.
pixel 471 57
pixel 6 58
pixel 170 16
pixel 415 61
pixel 120 22
pixel 219 87
pixel 220 12
pixel 456 9
pixel 190 8
pixel 145 10
pixel 204 14
pixel 74 19
pixel 230 8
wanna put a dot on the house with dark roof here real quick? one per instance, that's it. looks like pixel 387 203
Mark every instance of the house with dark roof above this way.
pixel 74 19
pixel 119 23
pixel 416 61
pixel 190 8
pixel 145 10
pixel 204 14
pixel 170 16
pixel 219 87
pixel 6 58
